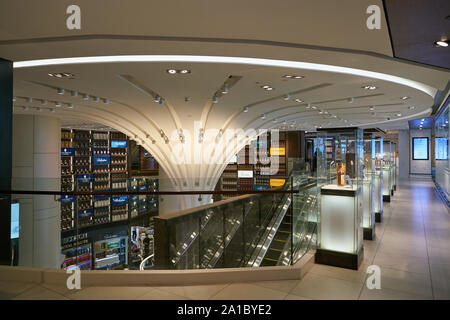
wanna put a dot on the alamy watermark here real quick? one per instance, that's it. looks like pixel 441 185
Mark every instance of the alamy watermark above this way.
pixel 374 280
pixel 74 280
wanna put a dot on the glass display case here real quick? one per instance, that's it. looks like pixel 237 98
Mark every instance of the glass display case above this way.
pixel 378 179
pixel 394 167
pixel 387 171
pixel 340 228
pixel 368 183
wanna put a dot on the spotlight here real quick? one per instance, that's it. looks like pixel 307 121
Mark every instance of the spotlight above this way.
pixel 372 108
pixel 106 101
pixel 369 87
pixel 275 120
pixel 225 90
pixel 286 97
pixel 162 101
pixel 52 110
pixel 172 71
pixel 404 98
pixel 263 116
pixel 441 43
pixel 288 76
pixel 85 97
pixel 58 104
pixel 61 91
pixel 14 99
pixel 157 99
pixel 411 108
pixel 29 100
pixel 70 106
pixel 184 71
pixel 314 107
pixel 215 99
pixel 351 100
pixel 245 109
pixel 298 100
pixel 187 99
pixel 308 106
pixel 96 99
pixel 74 93
pixel 44 102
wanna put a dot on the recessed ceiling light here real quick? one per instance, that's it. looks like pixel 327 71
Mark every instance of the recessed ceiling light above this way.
pixel 298 100
pixel 398 114
pixel 404 98
pixel 368 87
pixel 411 108
pixel 287 76
pixel 184 71
pixel 187 99
pixel 269 89
pixel 314 107
pixel 320 112
pixel 372 108
pixel 171 71
pixel 441 43
pixel 275 120
pixel 286 97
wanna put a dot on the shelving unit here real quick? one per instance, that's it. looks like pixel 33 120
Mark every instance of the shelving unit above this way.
pixel 248 174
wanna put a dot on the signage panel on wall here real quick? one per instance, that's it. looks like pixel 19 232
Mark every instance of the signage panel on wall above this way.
pixel 245 173
pixel 85 213
pixel 85 178
pixel 102 160
pixel 67 152
pixel 277 182
pixel 118 144
pixel 67 199
pixel 420 148
pixel 120 200
pixel 441 146
pixel 277 151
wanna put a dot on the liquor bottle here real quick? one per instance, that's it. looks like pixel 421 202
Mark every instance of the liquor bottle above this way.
pixel 340 174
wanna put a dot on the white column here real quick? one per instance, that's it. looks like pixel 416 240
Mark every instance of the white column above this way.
pixel 175 203
pixel 36 166
pixel 403 154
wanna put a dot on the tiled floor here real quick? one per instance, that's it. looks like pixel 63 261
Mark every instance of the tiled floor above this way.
pixel 412 249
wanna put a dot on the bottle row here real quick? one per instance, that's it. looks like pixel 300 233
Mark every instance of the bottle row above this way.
pixel 100 144
pixel 101 203
pixel 66 144
pixel 101 186
pixel 119 217
pixel 119 185
pixel 96 153
pixel 100 212
pixel 100 136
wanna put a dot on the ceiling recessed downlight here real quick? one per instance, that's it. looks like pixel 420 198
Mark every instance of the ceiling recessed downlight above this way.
pixel 171 71
pixel 441 43
pixel 404 98
pixel 369 87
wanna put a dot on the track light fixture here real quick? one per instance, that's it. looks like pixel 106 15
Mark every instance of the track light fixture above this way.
pixel 85 97
pixel 245 109
pixel 61 91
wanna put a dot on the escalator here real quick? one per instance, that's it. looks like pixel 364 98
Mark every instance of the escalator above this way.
pixel 279 241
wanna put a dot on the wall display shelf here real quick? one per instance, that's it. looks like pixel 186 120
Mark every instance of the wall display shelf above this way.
pixel 110 253
pixel 340 227
pixel 82 258
pixel 252 168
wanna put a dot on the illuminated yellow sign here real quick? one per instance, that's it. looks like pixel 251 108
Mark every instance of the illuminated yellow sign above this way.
pixel 277 151
pixel 277 182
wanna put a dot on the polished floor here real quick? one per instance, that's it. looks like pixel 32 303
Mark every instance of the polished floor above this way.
pixel 412 250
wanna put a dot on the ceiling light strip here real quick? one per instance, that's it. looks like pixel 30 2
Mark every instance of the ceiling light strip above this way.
pixel 229 60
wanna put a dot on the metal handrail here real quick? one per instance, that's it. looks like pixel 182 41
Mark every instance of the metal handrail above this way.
pixel 141 266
